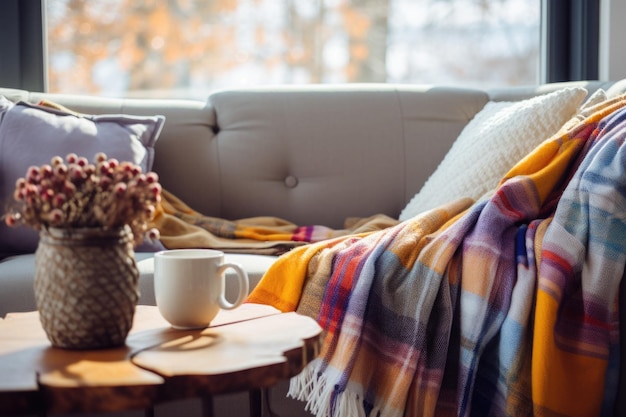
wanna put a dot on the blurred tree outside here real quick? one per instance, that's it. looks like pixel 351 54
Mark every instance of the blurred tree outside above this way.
pixel 187 48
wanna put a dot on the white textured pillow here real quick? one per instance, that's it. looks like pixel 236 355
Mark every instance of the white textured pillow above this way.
pixel 596 97
pixel 500 135
pixel 593 103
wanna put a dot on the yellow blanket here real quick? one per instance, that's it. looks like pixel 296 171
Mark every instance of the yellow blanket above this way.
pixel 182 227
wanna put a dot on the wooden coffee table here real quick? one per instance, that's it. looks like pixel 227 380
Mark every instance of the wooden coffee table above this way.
pixel 250 348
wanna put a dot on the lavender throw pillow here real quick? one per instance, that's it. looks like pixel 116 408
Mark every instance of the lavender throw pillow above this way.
pixel 32 135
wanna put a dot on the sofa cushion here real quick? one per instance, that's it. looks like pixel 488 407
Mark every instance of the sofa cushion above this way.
pixel 32 135
pixel 492 142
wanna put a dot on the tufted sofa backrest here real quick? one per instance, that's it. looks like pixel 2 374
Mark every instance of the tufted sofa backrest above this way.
pixel 312 154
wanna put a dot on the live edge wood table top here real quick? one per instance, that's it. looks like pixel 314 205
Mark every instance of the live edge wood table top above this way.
pixel 249 348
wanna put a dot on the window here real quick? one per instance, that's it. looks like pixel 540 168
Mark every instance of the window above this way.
pixel 187 48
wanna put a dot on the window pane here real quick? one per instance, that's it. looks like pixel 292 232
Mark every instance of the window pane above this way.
pixel 187 48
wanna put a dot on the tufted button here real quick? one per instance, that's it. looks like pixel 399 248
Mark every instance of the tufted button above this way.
pixel 291 181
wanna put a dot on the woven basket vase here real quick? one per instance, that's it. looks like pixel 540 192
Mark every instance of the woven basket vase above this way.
pixel 86 286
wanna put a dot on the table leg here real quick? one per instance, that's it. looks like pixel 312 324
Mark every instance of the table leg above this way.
pixel 256 403
pixel 207 406
pixel 260 403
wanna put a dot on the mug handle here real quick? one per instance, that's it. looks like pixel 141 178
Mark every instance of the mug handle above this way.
pixel 244 285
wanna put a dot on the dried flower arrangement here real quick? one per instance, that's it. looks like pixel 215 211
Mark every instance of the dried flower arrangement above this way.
pixel 77 194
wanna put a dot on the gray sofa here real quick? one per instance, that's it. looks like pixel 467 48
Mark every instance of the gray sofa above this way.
pixel 308 154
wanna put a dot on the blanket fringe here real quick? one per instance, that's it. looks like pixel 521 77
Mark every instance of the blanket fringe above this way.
pixel 315 389
pixel 301 385
pixel 350 404
pixel 312 388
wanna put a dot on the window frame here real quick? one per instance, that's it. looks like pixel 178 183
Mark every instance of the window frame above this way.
pixel 570 40
pixel 23 44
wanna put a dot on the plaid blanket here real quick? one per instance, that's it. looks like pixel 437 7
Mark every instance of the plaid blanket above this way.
pixel 181 227
pixel 507 306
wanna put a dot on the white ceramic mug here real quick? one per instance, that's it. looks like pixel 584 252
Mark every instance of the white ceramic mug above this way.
pixel 189 286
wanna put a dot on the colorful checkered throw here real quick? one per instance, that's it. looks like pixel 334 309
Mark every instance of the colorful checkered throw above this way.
pixel 502 307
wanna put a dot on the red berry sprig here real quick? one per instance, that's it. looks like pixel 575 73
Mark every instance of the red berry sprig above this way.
pixel 74 193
